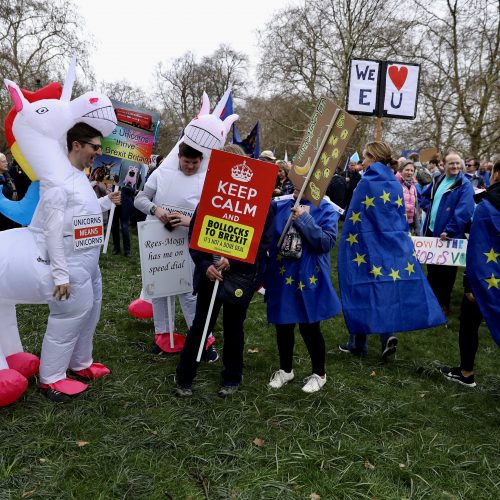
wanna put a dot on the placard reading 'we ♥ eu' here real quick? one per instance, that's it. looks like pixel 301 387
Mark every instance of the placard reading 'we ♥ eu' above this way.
pixel 233 207
pixel 383 88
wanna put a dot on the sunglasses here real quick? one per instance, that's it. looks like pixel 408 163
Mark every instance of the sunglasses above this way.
pixel 95 147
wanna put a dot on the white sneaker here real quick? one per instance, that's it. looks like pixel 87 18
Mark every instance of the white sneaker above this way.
pixel 314 383
pixel 280 378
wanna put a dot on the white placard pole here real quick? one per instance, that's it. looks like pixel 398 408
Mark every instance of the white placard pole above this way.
pixel 110 223
pixel 170 322
pixel 207 321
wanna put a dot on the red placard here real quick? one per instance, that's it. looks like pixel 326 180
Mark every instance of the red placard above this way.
pixel 233 206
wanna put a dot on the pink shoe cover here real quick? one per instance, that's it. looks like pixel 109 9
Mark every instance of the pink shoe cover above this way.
pixel 12 386
pixel 23 362
pixel 66 386
pixel 141 309
pixel 162 340
pixel 93 372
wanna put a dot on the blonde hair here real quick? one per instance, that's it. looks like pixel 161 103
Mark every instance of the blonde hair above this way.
pixel 379 151
pixel 234 148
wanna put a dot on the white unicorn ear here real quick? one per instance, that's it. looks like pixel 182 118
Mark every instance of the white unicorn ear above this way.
pixel 16 95
pixel 70 80
pixel 205 105
pixel 222 103
pixel 229 121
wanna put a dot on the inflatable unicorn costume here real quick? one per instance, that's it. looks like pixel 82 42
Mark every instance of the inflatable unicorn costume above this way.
pixel 173 189
pixel 35 259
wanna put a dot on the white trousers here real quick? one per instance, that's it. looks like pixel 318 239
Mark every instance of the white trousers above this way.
pixel 160 311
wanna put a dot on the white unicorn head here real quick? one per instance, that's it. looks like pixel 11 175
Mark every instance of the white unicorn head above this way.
pixel 205 132
pixel 40 127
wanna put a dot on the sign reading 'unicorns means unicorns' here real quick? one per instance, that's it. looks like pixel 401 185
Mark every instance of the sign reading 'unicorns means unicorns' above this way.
pixel 27 275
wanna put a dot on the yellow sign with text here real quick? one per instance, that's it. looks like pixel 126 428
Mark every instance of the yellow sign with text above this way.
pixel 225 236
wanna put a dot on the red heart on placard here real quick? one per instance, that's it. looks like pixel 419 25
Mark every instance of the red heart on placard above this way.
pixel 93 100
pixel 398 76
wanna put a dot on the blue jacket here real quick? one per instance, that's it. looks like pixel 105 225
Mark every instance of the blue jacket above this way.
pixel 455 209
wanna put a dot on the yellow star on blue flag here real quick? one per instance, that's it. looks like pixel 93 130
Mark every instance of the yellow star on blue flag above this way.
pixel 491 255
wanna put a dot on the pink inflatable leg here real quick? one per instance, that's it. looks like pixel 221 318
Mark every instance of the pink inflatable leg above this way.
pixel 141 309
pixel 12 386
pixel 25 363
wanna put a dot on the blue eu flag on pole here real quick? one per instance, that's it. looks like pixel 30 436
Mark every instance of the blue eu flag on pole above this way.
pixel 251 143
pixel 483 264
pixel 383 287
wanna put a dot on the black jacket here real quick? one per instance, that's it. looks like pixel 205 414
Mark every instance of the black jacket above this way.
pixel 203 260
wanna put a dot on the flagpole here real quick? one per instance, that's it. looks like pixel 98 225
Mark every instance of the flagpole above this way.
pixel 308 177
pixel 378 128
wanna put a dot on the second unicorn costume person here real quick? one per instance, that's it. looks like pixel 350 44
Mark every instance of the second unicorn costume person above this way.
pixel 171 195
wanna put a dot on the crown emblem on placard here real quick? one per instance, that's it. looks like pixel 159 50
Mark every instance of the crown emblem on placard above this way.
pixel 242 172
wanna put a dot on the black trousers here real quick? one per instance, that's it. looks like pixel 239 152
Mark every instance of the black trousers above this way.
pixel 468 337
pixel 442 280
pixel 313 338
pixel 233 317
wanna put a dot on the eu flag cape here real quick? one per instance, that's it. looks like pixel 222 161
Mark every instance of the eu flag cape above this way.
pixel 301 290
pixel 382 285
pixel 483 264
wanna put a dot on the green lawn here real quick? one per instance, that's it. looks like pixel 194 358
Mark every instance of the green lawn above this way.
pixel 398 430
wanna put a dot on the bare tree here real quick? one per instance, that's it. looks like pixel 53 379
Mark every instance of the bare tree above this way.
pixel 181 84
pixel 462 56
pixel 37 38
pixel 124 91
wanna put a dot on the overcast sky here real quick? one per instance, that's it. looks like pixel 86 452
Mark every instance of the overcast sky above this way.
pixel 131 37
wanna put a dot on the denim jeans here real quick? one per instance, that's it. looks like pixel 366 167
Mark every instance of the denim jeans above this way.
pixel 360 342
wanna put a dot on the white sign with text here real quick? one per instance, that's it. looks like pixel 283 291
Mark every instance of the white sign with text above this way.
pixel 431 250
pixel 166 265
pixel 363 86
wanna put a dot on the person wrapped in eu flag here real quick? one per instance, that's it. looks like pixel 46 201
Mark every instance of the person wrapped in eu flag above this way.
pixel 383 287
pixel 298 285
pixel 481 282
pixel 483 256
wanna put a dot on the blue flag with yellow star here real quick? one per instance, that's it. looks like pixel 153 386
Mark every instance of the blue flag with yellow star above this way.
pixel 301 290
pixel 483 264
pixel 382 285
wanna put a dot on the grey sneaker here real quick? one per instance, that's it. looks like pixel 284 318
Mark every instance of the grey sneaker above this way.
pixel 183 391
pixel 228 390
pixel 390 348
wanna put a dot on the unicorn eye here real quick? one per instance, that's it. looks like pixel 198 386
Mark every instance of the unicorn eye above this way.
pixel 41 111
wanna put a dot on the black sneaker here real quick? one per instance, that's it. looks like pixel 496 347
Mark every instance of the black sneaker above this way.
pixel 455 374
pixel 156 349
pixel 184 391
pixel 228 390
pixel 56 396
pixel 355 352
pixel 390 347
pixel 210 355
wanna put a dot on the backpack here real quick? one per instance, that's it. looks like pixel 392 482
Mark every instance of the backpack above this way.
pixel 422 174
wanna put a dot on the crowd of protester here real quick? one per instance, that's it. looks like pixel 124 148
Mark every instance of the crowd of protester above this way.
pixel 439 199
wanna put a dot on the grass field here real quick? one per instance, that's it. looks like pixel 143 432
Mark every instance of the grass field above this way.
pixel 380 431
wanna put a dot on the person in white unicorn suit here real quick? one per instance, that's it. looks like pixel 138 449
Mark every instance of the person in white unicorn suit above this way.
pixel 171 195
pixel 56 259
